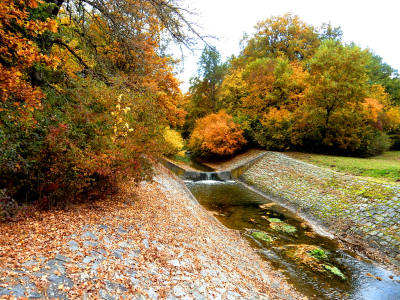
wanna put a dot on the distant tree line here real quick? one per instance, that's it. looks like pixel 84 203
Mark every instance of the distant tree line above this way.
pixel 297 87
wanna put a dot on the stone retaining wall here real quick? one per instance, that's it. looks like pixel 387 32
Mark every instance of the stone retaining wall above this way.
pixel 366 209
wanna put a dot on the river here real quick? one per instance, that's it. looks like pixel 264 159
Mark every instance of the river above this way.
pixel 315 265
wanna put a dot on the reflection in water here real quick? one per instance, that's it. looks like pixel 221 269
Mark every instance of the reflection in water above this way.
pixel 239 208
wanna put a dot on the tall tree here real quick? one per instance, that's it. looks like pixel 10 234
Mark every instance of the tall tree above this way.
pixel 211 72
pixel 383 74
pixel 283 35
pixel 338 87
pixel 204 88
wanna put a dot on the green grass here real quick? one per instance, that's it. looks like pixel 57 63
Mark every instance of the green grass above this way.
pixel 384 167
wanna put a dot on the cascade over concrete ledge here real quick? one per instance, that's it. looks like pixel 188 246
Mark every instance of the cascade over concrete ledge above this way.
pixel 225 175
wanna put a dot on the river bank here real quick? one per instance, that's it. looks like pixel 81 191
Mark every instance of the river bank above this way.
pixel 362 213
pixel 151 241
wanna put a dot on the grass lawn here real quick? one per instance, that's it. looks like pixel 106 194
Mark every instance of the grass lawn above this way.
pixel 383 167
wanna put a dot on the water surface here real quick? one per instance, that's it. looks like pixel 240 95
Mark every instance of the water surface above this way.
pixel 239 208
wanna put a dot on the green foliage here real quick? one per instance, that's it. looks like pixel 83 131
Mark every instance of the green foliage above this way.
pixel 81 145
pixel 201 99
pixel 74 133
pixel 318 253
pixel 8 206
pixel 383 74
pixel 282 35
pixel 297 87
pixel 376 143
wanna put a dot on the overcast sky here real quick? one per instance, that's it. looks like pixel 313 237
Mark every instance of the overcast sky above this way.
pixel 369 23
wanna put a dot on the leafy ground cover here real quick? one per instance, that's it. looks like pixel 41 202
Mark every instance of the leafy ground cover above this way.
pixel 383 167
pixel 149 241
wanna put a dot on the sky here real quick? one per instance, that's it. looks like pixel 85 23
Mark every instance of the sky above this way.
pixel 369 23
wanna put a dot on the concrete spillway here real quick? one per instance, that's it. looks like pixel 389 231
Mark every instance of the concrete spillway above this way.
pixel 233 174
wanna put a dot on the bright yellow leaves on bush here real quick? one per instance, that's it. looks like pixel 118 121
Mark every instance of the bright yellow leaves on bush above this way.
pixel 121 126
pixel 173 140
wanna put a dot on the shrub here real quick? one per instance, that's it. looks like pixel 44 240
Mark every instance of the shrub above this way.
pixel 275 130
pixel 216 134
pixel 8 206
pixel 373 144
pixel 174 141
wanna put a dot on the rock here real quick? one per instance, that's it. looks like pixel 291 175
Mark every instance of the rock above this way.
pixel 174 262
pixel 63 258
pixel 178 291
pixel 73 245
pixel 61 280
pixel 90 244
pixel 16 291
pixel 105 296
pixel 91 235
pixel 152 294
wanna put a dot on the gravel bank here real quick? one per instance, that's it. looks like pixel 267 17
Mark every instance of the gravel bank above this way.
pixel 355 209
pixel 152 241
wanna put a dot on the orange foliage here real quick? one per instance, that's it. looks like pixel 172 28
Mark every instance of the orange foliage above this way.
pixel 218 134
pixel 372 108
pixel 18 54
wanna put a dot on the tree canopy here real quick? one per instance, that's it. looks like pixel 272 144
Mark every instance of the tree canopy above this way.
pixel 296 86
pixel 86 93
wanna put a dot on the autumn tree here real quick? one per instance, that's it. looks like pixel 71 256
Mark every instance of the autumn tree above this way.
pixel 298 87
pixel 284 35
pixel 99 116
pixel 19 55
pixel 204 88
pixel 383 74
pixel 216 134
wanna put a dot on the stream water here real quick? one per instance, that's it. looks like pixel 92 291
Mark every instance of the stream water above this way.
pixel 238 208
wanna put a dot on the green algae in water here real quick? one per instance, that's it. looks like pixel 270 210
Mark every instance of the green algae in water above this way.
pixel 262 236
pixel 318 253
pixel 283 227
pixel 275 220
pixel 335 271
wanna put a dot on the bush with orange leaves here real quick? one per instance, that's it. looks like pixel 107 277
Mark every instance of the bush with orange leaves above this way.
pixel 216 134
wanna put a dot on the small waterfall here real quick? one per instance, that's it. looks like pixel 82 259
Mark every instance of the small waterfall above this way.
pixel 208 176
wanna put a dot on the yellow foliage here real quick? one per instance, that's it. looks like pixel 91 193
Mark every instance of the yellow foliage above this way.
pixel 174 142
pixel 377 91
pixel 393 119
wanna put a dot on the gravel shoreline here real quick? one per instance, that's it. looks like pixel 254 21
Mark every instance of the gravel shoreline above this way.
pixel 362 213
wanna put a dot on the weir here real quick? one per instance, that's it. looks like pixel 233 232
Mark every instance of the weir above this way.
pixel 233 174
